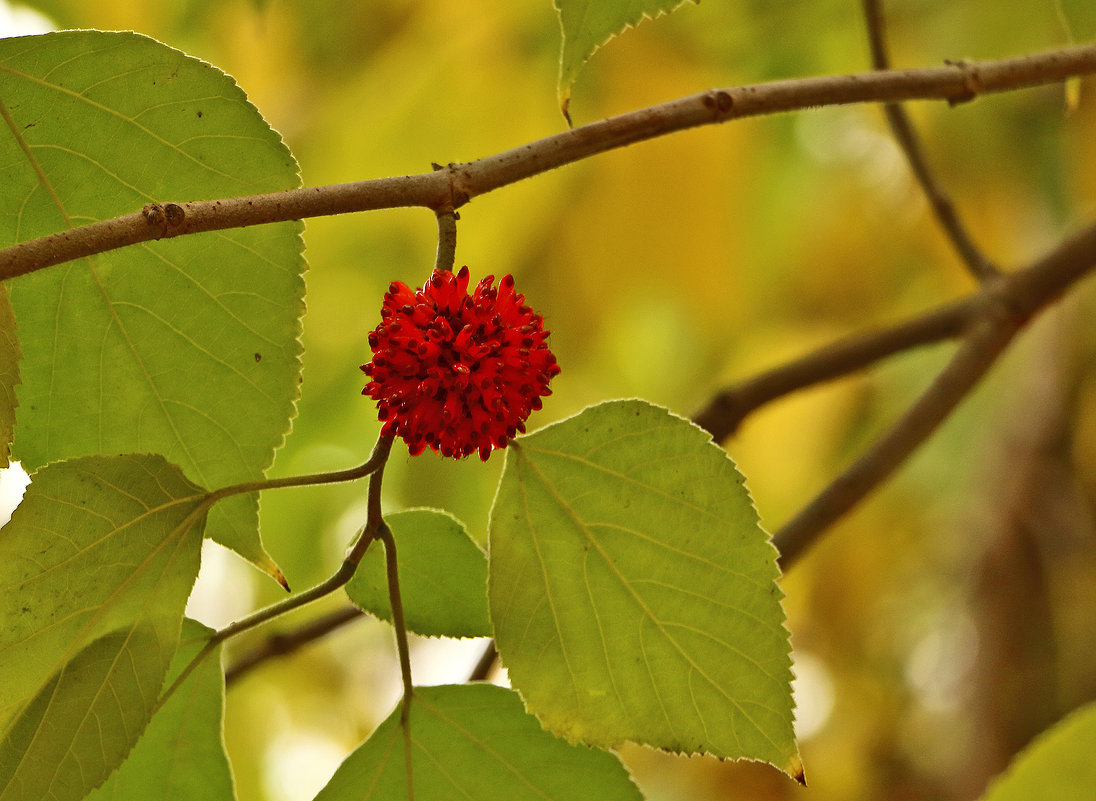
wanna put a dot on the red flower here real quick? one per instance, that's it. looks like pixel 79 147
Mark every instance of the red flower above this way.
pixel 454 372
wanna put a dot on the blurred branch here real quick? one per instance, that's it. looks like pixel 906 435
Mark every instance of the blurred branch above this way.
pixel 995 314
pixel 902 128
pixel 451 188
pixel 486 663
pixel 286 642
pixel 724 413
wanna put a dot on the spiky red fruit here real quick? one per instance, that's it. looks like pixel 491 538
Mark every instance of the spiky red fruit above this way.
pixel 454 372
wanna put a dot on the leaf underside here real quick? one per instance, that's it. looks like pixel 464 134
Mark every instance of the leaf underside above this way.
pixel 181 756
pixel 95 568
pixel 633 591
pixel 476 741
pixel 186 347
pixel 442 572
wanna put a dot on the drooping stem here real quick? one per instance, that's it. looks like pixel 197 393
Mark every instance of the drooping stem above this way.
pixel 486 663
pixel 392 569
pixel 374 522
pixel 372 464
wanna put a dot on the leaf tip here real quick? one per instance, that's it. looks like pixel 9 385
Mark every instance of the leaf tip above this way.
pixel 795 770
pixel 270 567
pixel 565 106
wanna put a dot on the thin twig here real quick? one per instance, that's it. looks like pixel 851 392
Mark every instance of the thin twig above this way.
pixel 339 578
pixel 902 128
pixel 373 463
pixel 963 372
pixel 453 187
pixel 392 569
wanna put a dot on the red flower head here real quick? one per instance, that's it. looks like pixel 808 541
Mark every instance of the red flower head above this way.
pixel 454 372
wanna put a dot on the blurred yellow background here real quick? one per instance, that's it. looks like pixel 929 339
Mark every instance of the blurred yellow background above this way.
pixel 938 627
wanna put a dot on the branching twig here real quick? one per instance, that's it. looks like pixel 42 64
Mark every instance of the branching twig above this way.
pixel 372 464
pixel 371 531
pixel 902 128
pixel 392 570
pixel 974 357
pixel 1024 292
pixel 997 313
pixel 451 188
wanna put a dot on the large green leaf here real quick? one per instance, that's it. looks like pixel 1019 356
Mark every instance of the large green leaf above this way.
pixel 186 347
pixel 9 374
pixel 443 577
pixel 476 741
pixel 84 721
pixel 633 592
pixel 95 568
pixel 589 24
pixel 181 755
pixel 1059 764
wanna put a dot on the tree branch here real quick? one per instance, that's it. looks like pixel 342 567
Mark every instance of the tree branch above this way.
pixel 976 262
pixel 726 410
pixel 454 186
pixel 286 642
pixel 996 313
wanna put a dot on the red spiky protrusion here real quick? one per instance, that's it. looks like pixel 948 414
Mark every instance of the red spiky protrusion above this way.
pixel 454 372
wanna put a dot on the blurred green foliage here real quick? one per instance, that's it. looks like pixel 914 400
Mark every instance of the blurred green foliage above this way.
pixel 951 613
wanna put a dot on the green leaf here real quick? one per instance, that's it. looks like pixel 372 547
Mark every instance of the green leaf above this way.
pixel 443 577
pixel 95 568
pixel 589 24
pixel 188 346
pixel 181 755
pixel 476 741
pixel 83 722
pixel 633 591
pixel 9 374
pixel 1059 764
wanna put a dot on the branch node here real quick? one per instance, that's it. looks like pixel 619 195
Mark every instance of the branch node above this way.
pixel 972 83
pixel 719 102
pixel 168 217
pixel 460 185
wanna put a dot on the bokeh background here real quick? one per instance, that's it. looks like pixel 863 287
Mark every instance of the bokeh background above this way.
pixel 938 627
